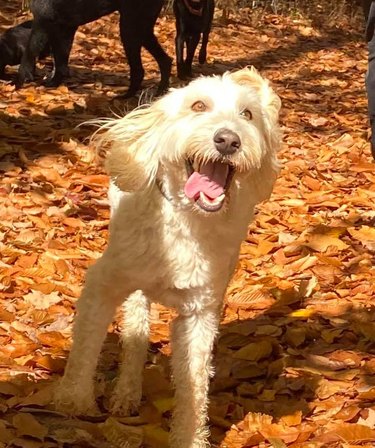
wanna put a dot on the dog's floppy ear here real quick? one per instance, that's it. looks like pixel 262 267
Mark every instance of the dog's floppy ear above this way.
pixel 132 157
pixel 270 102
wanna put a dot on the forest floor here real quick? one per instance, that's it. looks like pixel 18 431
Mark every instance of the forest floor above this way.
pixel 295 359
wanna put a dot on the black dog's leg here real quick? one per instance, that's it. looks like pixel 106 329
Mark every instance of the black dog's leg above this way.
pixel 137 21
pixel 203 50
pixel 61 44
pixel 131 37
pixel 164 61
pixel 180 44
pixel 132 46
pixel 152 45
pixel 192 44
pixel 37 42
pixel 180 41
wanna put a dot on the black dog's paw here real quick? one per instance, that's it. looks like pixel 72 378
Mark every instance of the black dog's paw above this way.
pixel 202 57
pixel 54 80
pixel 184 73
pixel 182 76
pixel 161 90
pixel 127 95
pixel 23 76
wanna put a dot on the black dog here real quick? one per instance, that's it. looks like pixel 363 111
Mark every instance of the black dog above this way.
pixel 57 21
pixel 13 44
pixel 193 19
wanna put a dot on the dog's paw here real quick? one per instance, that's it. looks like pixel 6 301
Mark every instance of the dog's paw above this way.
pixel 53 81
pixel 123 406
pixel 202 58
pixel 196 443
pixel 73 400
pixel 22 77
pixel 180 442
pixel 185 434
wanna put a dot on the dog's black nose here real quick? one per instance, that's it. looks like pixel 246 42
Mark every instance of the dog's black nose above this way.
pixel 226 141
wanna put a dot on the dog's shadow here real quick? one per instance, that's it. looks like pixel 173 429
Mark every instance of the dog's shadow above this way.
pixel 276 357
pixel 279 362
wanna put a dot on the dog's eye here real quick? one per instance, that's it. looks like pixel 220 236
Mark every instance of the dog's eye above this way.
pixel 247 114
pixel 199 106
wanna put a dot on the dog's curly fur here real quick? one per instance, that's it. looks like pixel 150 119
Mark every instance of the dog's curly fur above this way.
pixel 165 246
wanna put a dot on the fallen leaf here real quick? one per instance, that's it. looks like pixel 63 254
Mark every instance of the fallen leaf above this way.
pixel 27 425
pixel 254 351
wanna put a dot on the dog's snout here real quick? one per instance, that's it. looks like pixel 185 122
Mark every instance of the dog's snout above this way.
pixel 226 141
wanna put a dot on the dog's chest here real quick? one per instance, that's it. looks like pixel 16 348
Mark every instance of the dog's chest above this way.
pixel 197 254
pixel 164 249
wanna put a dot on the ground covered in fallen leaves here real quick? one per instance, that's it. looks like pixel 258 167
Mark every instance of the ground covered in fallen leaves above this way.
pixel 295 360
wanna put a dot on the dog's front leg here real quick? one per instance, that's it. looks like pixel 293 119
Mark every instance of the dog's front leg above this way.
pixel 180 44
pixel 192 342
pixel 203 50
pixel 192 43
pixel 127 395
pixel 37 41
pixel 61 40
pixel 96 307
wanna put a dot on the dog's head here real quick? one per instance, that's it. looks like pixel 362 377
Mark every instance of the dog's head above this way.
pixel 201 142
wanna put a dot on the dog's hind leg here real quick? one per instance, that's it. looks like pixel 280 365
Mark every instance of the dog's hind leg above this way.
pixel 102 293
pixel 128 390
pixel 137 22
pixel 180 43
pixel 192 44
pixel 61 41
pixel 203 50
pixel 132 44
pixel 37 42
pixel 164 61
pixel 192 342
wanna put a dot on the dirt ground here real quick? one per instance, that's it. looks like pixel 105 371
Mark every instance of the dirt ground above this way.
pixel 295 359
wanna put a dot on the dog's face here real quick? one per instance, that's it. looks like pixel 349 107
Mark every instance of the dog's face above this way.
pixel 200 140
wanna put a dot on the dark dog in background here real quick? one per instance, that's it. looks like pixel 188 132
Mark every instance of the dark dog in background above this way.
pixel 57 21
pixel 13 43
pixel 193 19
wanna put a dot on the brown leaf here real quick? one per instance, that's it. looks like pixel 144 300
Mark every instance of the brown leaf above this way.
pixel 27 425
pixel 42 301
pixel 254 351
pixel 121 435
pixel 321 238
pixel 40 398
pixel 6 435
pixel 348 432
pixel 53 339
pixel 292 419
pixel 365 234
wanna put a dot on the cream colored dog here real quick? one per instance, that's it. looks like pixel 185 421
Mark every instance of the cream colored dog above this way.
pixel 186 172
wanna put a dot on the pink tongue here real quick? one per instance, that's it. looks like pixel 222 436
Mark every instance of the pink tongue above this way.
pixel 210 180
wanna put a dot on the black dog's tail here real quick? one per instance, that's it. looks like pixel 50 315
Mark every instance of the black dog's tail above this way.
pixel 370 26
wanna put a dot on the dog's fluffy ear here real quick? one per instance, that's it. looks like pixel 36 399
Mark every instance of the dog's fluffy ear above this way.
pixel 132 157
pixel 271 105
pixel 270 102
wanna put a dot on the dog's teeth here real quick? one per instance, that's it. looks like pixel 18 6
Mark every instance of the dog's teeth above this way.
pixel 209 201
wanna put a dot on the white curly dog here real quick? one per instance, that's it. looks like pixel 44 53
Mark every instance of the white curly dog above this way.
pixel 186 174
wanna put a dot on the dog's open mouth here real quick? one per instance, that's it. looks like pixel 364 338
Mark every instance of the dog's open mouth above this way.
pixel 208 183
